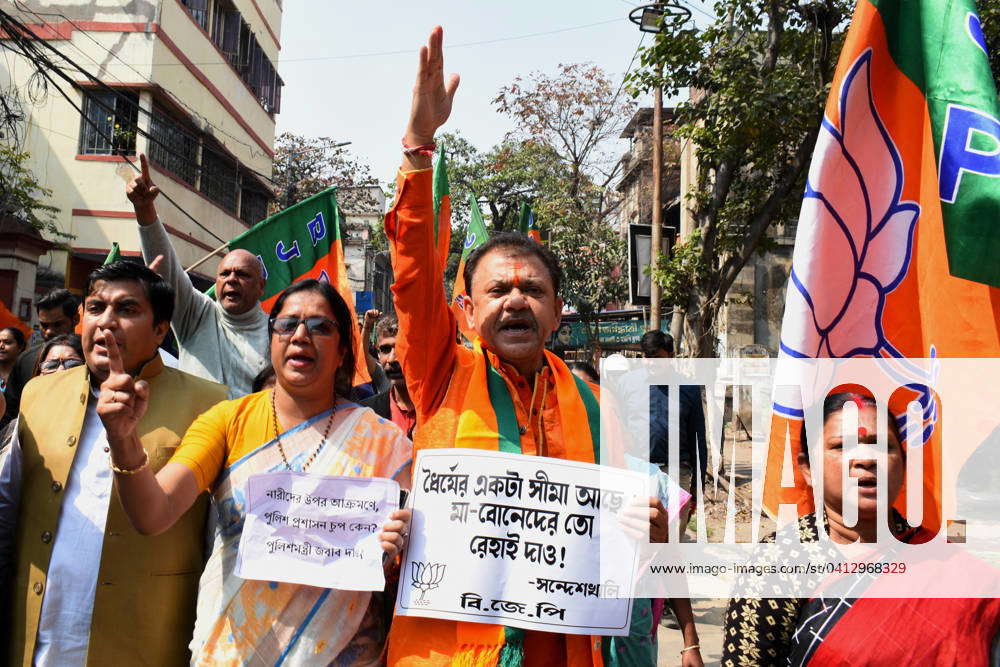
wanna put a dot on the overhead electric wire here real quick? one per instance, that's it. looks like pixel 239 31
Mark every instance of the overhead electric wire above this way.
pixel 374 54
pixel 125 98
pixel 34 56
pixel 253 151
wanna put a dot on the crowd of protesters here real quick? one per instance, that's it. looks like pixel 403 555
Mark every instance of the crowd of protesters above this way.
pixel 113 460
pixel 123 481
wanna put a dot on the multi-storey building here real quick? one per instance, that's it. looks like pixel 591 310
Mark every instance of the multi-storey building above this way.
pixel 190 83
pixel 750 320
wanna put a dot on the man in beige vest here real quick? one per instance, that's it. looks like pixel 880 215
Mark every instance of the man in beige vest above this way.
pixel 87 588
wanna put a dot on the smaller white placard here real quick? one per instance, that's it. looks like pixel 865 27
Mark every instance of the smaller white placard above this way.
pixel 316 530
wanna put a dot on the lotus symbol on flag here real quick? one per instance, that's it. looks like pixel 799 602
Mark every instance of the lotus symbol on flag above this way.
pixel 855 240
pixel 852 210
pixel 425 577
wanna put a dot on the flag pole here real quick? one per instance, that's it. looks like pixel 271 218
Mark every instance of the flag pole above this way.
pixel 207 257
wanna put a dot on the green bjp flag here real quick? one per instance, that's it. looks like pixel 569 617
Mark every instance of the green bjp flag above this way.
pixel 113 255
pixel 526 223
pixel 442 208
pixel 475 236
pixel 940 47
pixel 303 241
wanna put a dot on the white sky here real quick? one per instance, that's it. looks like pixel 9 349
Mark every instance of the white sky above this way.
pixel 351 96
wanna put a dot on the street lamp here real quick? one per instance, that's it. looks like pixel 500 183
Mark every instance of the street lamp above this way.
pixel 656 18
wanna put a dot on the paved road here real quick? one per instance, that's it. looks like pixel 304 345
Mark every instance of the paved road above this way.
pixel 708 616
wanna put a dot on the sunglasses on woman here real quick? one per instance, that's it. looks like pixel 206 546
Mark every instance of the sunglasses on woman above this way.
pixel 315 326
pixel 55 364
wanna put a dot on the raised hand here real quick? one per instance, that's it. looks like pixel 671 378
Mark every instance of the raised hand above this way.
pixel 141 191
pixel 122 401
pixel 432 97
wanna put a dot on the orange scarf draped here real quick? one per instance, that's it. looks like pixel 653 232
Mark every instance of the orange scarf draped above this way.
pixel 477 413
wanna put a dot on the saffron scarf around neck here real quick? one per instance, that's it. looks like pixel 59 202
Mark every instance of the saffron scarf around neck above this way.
pixel 489 421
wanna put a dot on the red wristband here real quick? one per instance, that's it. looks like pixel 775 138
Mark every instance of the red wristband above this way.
pixel 424 149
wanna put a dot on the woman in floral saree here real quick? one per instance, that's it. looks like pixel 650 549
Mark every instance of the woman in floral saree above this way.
pixel 303 424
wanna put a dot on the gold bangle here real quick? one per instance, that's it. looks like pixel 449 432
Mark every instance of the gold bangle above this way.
pixel 130 471
pixel 688 648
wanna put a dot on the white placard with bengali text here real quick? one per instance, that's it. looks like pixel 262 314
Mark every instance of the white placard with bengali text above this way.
pixel 518 540
pixel 316 530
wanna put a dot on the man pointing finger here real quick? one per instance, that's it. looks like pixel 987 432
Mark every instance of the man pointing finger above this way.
pixel 225 339
pixel 75 558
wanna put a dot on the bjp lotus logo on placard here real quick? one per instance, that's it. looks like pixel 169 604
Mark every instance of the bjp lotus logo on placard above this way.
pixel 425 577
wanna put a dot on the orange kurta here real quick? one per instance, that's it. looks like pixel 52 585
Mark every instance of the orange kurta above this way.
pixel 438 374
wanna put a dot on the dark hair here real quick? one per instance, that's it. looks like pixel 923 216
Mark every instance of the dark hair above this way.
pixel 586 369
pixel 654 341
pixel 265 374
pixel 58 298
pixel 159 293
pixel 518 244
pixel 388 325
pixel 344 378
pixel 835 403
pixel 69 340
pixel 18 336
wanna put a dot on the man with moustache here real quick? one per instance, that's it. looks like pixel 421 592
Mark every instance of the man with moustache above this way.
pixel 507 393
pixel 223 340
pixel 82 572
pixel 394 403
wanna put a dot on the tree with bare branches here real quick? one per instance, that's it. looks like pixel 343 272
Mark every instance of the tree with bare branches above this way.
pixel 304 166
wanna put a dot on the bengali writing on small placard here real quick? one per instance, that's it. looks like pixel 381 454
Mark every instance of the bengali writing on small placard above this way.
pixel 316 530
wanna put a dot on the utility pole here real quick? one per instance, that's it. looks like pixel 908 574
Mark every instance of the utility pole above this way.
pixel 654 246
pixel 657 18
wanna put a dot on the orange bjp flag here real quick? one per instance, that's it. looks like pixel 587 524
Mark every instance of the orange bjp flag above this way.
pixel 901 202
pixel 9 319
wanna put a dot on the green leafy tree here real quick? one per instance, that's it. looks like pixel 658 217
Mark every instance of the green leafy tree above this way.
pixel 758 78
pixel 22 196
pixel 502 178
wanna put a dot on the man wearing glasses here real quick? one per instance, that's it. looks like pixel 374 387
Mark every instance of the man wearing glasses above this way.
pixel 394 403
pixel 57 315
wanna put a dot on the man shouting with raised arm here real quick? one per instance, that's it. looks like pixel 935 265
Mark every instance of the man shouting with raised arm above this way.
pixel 225 339
pixel 507 393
